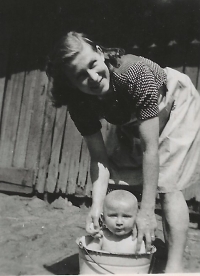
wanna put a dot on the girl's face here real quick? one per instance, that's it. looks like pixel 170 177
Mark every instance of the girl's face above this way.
pixel 119 217
pixel 88 72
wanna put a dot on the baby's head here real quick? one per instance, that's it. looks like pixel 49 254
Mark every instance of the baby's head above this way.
pixel 119 212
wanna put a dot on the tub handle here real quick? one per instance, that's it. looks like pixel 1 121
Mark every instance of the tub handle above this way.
pixel 82 247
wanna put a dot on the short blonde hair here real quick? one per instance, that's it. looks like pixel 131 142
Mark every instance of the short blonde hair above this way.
pixel 120 195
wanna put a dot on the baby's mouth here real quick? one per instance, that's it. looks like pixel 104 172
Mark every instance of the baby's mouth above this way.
pixel 119 229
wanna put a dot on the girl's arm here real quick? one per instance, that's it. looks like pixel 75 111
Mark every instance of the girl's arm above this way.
pixel 100 176
pixel 146 221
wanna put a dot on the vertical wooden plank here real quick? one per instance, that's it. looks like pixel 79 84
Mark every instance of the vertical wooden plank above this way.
pixel 193 61
pixel 45 152
pixel 4 118
pixel 192 72
pixel 35 133
pixel 15 81
pixel 83 166
pixel 10 117
pixel 179 68
pixel 67 153
pixel 58 133
pixel 25 120
pixel 5 30
pixel 74 163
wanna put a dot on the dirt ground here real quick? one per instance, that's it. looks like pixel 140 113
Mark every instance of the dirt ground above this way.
pixel 40 238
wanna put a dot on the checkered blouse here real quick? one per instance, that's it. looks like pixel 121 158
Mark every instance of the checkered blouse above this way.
pixel 135 82
pixel 142 79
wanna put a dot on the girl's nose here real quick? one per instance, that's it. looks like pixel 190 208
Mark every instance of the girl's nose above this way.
pixel 93 76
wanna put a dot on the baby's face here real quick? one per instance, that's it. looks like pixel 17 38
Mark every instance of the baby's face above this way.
pixel 119 217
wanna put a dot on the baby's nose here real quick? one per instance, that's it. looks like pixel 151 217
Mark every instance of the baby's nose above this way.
pixel 119 221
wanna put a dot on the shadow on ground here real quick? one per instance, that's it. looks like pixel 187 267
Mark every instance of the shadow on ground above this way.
pixel 66 266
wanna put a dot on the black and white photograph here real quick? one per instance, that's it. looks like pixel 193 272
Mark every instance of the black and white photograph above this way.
pixel 99 137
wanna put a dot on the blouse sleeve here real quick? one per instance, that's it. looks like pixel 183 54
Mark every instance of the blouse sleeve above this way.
pixel 143 88
pixel 85 119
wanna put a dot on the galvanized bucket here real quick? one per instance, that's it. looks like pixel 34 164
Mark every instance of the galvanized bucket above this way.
pixel 101 262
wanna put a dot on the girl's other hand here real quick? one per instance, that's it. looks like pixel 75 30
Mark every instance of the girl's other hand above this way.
pixel 146 226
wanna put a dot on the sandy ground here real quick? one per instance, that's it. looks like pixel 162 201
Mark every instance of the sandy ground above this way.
pixel 39 238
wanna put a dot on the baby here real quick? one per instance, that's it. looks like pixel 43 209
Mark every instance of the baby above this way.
pixel 119 214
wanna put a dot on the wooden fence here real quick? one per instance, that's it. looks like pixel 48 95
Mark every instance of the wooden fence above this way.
pixel 40 145
pixel 40 148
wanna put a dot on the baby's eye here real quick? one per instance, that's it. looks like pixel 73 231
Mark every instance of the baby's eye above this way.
pixel 112 215
pixel 127 216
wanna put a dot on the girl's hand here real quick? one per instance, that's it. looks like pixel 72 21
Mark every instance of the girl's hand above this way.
pixel 92 222
pixel 146 226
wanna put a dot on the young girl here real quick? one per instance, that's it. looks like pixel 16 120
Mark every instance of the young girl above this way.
pixel 160 106
pixel 119 216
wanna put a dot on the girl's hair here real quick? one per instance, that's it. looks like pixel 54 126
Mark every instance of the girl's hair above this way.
pixel 65 51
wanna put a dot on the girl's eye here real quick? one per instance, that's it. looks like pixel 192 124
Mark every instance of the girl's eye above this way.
pixel 93 64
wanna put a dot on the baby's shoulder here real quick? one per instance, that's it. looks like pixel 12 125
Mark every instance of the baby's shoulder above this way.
pixel 93 243
pixel 127 245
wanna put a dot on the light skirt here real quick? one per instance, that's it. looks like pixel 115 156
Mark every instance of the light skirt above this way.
pixel 179 142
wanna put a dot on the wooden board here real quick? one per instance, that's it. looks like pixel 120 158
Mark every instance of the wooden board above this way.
pixel 15 75
pixel 69 142
pixel 83 166
pixel 10 118
pixel 45 151
pixel 58 132
pixel 192 72
pixel 8 187
pixel 5 30
pixel 17 176
pixel 74 163
pixel 37 117
pixel 25 119
pixel 192 61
